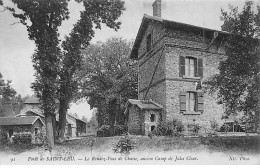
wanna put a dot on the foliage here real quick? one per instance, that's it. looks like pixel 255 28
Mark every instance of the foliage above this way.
pixel 194 128
pixel 237 83
pixel 3 138
pixel 104 131
pixel 169 128
pixel 125 145
pixel 10 102
pixel 22 138
pixel 95 13
pixel 55 63
pixel 214 126
pixel 110 78
pixel 226 127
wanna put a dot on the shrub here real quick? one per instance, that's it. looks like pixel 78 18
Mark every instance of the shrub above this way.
pixel 104 131
pixel 169 128
pixel 3 139
pixel 22 138
pixel 125 145
pixel 194 128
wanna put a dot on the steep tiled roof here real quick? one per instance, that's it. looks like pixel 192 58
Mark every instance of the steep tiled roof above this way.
pixel 19 120
pixel 32 100
pixel 170 24
pixel 144 104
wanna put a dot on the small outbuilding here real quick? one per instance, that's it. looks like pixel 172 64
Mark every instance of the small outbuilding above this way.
pixel 143 116
pixel 16 125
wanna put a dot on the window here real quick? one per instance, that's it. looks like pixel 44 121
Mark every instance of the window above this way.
pixel 36 131
pixel 152 127
pixel 152 118
pixel 190 67
pixel 148 42
pixel 191 101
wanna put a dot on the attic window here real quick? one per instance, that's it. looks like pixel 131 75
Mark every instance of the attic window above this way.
pixel 148 42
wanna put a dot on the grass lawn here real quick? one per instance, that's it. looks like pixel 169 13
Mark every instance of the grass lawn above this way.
pixel 231 144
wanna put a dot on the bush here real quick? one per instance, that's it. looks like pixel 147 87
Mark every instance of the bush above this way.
pixel 125 145
pixel 194 128
pixel 3 139
pixel 169 128
pixel 22 138
pixel 104 131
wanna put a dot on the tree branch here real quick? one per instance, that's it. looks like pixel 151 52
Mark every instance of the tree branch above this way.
pixel 14 23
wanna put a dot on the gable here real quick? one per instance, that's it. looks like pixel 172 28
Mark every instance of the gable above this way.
pixel 144 27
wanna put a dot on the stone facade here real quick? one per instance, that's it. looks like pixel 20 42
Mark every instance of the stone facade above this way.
pixel 160 76
pixel 142 121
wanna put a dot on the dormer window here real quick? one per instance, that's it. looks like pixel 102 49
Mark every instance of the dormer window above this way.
pixel 148 42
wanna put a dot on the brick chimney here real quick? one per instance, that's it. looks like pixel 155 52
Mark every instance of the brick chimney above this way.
pixel 157 8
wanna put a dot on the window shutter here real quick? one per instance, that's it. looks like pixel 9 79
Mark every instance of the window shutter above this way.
pixel 196 66
pixel 183 101
pixel 200 102
pixel 182 66
pixel 200 67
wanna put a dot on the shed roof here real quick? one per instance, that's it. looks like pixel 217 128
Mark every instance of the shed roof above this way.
pixel 32 100
pixel 170 24
pixel 35 111
pixel 144 104
pixel 30 120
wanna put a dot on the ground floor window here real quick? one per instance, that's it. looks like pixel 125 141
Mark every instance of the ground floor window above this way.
pixel 36 131
pixel 191 101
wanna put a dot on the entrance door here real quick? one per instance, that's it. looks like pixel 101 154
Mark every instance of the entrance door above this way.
pixel 11 132
pixel 69 130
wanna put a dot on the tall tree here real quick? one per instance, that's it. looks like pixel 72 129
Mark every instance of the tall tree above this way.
pixel 238 80
pixel 56 68
pixel 95 13
pixel 110 77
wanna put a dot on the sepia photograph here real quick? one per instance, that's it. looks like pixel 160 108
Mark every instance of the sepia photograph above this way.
pixel 129 82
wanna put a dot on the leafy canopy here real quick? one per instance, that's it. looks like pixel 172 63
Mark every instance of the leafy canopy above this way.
pixel 237 83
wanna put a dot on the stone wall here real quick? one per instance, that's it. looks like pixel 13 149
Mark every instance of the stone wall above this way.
pixel 135 119
pixel 167 84
pixel 147 120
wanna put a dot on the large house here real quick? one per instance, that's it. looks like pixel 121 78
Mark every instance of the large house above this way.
pixel 174 59
pixel 31 119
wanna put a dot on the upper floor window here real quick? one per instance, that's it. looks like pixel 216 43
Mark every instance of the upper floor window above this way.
pixel 191 67
pixel 152 118
pixel 148 42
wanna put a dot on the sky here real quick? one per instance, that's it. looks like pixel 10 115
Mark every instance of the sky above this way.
pixel 16 49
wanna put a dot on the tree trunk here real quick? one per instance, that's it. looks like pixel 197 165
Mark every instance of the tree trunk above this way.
pixel 62 120
pixel 54 127
pixel 112 116
pixel 49 129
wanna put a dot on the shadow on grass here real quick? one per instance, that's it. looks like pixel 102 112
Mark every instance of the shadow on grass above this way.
pixel 16 148
pixel 245 144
